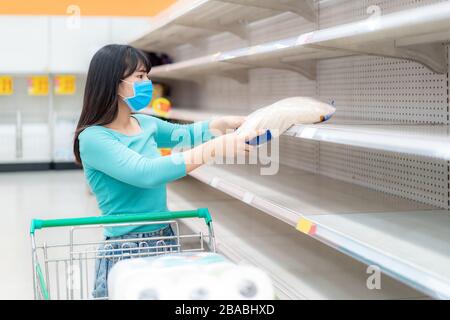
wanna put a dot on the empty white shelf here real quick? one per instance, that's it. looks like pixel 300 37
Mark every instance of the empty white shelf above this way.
pixel 414 34
pixel 404 238
pixel 286 54
pixel 293 193
pixel 410 246
pixel 300 267
pixel 419 140
pixel 187 20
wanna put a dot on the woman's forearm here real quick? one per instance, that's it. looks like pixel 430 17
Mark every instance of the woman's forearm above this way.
pixel 219 146
pixel 227 145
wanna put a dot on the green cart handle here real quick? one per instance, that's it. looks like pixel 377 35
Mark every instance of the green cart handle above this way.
pixel 121 218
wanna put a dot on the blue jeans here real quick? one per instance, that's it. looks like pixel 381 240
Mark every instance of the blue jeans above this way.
pixel 106 261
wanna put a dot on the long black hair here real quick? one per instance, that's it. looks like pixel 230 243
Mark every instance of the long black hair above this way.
pixel 108 66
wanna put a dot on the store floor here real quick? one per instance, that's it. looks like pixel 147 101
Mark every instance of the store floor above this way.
pixel 27 195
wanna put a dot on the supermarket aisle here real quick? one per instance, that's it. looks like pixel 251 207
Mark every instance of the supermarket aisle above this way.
pixel 28 195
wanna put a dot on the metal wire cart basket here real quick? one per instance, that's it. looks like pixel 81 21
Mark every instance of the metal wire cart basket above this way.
pixel 65 269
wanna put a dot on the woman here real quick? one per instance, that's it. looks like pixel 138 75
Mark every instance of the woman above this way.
pixel 119 149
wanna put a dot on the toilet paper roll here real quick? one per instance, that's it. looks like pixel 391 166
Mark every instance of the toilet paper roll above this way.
pixel 246 283
pixel 119 273
pixel 185 276
pixel 194 286
pixel 144 286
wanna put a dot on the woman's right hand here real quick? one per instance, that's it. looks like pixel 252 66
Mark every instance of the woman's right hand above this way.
pixel 229 145
pixel 234 144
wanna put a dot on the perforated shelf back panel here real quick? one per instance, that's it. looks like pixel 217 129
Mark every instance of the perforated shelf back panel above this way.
pixel 267 86
pixel 383 90
pixel 415 178
pixel 301 154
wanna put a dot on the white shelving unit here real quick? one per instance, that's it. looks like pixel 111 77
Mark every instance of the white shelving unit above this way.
pixel 186 21
pixel 407 240
pixel 303 269
pixel 416 34
pixel 350 218
pixel 391 63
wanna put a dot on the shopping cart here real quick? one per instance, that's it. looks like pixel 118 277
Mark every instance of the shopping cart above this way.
pixel 66 270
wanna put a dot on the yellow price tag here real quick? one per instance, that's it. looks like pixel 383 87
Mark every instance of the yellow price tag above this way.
pixel 306 226
pixel 38 85
pixel 64 84
pixel 6 86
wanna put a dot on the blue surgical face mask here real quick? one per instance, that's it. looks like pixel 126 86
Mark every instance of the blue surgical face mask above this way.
pixel 143 92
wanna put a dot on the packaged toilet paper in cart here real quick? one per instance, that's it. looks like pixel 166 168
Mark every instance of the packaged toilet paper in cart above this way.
pixel 280 116
pixel 187 276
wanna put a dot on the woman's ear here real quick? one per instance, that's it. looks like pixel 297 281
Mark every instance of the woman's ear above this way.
pixel 120 90
pixel 124 89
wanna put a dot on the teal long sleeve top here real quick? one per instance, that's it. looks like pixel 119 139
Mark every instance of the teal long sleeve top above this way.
pixel 127 174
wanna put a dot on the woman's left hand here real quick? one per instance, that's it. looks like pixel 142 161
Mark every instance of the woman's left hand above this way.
pixel 226 123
